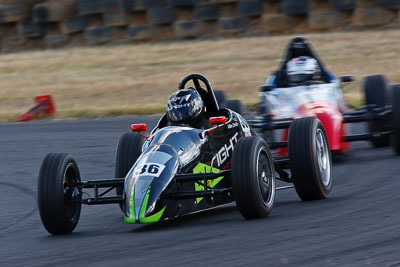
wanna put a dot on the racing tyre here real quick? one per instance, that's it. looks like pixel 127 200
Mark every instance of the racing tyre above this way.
pixel 376 94
pixel 310 159
pixel 235 105
pixel 59 197
pixel 221 98
pixel 128 150
pixel 253 177
pixel 396 118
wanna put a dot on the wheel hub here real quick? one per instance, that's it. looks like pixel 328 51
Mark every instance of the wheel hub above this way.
pixel 323 157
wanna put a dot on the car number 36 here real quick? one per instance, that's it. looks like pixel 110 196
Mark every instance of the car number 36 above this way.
pixel 149 169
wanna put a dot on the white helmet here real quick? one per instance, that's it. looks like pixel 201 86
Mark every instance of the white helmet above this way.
pixel 302 69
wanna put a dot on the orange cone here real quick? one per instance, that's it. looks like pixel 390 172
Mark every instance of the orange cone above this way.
pixel 45 106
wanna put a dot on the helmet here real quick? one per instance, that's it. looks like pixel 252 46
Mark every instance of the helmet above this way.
pixel 185 106
pixel 302 69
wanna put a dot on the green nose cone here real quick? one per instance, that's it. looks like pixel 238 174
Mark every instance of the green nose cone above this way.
pixel 140 217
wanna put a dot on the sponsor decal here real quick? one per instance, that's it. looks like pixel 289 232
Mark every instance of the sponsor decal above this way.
pixel 225 151
pixel 204 168
pixel 233 125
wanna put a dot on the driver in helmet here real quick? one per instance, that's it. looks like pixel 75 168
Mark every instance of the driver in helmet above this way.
pixel 303 69
pixel 186 108
pixel 299 49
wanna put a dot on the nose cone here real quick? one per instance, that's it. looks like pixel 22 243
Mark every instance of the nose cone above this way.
pixel 146 182
pixel 138 206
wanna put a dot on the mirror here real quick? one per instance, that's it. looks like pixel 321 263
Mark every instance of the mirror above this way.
pixel 217 120
pixel 266 87
pixel 139 127
pixel 347 78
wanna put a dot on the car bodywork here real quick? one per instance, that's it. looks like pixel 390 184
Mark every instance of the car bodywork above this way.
pixel 179 164
pixel 282 102
pixel 324 101
pixel 181 169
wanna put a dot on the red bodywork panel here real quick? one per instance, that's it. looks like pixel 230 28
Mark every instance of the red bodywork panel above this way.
pixel 332 120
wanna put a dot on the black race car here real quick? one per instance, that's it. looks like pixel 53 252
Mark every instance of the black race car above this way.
pixel 178 170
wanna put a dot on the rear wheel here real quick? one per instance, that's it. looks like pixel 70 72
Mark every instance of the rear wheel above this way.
pixel 221 98
pixel 128 151
pixel 235 105
pixel 59 197
pixel 396 118
pixel 253 178
pixel 376 95
pixel 310 159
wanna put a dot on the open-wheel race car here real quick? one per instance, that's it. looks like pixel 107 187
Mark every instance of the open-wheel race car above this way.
pixel 302 87
pixel 180 169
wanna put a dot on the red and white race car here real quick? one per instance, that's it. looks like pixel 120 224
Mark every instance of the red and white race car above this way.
pixel 302 87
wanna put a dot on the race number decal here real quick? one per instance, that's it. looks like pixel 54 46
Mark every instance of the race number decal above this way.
pixel 149 169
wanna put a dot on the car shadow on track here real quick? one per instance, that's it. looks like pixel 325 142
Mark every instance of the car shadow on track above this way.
pixel 212 216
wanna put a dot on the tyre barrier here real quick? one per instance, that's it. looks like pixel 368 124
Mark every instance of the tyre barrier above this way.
pixel 250 8
pixel 182 3
pixel 141 32
pixel 295 7
pixel 73 25
pixel 53 11
pixel 161 15
pixel 25 23
pixel 92 7
pixel 116 18
pixel 188 29
pixel 31 29
pixel 207 12
pixel 233 25
pixel 13 13
pixel 56 40
pixel 392 4
pixel 99 34
pixel 141 5
pixel 343 5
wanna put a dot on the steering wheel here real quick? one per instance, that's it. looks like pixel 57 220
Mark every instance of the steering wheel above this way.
pixel 196 78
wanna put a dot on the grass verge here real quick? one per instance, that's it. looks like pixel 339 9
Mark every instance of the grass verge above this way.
pixel 137 79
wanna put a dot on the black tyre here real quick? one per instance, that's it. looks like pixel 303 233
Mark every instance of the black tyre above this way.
pixel 253 178
pixel 235 105
pixel 221 98
pixel 343 5
pixel 294 7
pixel 59 197
pixel 161 15
pixel 396 118
pixel 310 159
pixel 376 95
pixel 129 149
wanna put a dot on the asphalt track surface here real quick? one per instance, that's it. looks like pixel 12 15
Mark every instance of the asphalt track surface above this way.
pixel 359 225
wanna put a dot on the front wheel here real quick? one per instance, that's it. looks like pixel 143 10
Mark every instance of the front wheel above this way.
pixel 253 177
pixel 310 159
pixel 128 151
pixel 59 197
